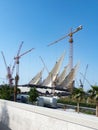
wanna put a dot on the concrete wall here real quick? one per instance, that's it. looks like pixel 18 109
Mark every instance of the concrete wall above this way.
pixel 18 116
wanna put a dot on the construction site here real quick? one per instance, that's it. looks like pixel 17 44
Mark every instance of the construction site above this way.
pixel 56 83
pixel 48 65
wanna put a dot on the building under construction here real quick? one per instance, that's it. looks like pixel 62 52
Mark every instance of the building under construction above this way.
pixel 56 81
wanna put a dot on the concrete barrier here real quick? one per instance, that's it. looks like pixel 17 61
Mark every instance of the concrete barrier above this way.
pixel 18 116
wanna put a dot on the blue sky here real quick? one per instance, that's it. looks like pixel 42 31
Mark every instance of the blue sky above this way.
pixel 40 22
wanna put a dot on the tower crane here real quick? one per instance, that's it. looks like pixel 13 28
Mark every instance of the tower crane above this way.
pixel 84 77
pixel 8 69
pixel 44 64
pixel 71 44
pixel 16 58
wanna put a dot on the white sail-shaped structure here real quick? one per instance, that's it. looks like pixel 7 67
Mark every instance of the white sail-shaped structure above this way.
pixel 49 81
pixel 67 82
pixel 37 79
pixel 62 76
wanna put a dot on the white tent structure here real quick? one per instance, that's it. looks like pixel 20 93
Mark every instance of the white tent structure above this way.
pixel 55 79
pixel 37 79
pixel 67 82
pixel 61 77
pixel 49 81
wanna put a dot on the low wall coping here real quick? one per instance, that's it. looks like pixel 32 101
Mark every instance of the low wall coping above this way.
pixel 89 121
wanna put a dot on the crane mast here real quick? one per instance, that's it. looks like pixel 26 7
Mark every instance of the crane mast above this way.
pixel 84 77
pixel 8 69
pixel 17 68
